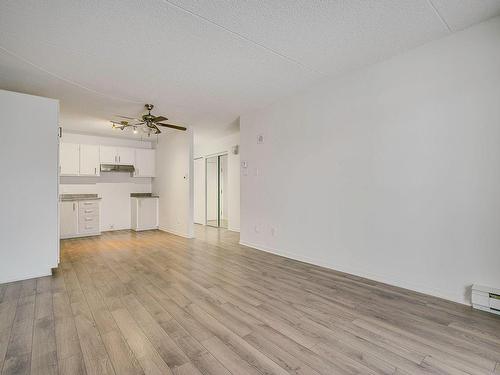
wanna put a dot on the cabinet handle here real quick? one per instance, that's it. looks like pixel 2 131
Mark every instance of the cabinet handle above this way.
pixel 89 211
pixel 88 219
pixel 95 170
pixel 119 159
pixel 73 206
pixel 87 203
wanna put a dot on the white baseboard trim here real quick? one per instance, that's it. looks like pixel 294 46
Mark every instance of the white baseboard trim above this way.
pixel 81 235
pixel 27 277
pixel 175 232
pixel 390 280
pixel 115 229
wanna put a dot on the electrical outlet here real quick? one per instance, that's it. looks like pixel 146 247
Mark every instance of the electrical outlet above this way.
pixel 111 226
pixel 260 139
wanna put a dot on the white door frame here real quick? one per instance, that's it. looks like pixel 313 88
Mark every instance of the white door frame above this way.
pixel 218 187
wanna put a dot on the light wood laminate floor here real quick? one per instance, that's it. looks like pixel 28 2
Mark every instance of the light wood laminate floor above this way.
pixel 155 303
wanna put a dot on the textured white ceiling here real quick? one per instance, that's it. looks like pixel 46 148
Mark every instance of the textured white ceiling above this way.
pixel 202 63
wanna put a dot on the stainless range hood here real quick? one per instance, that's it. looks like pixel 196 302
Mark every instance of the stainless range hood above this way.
pixel 117 168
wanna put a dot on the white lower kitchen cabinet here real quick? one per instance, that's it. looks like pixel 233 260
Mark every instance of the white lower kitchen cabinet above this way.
pixel 68 216
pixel 144 213
pixel 79 218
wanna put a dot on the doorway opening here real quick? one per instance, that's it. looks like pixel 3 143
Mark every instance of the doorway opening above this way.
pixel 216 191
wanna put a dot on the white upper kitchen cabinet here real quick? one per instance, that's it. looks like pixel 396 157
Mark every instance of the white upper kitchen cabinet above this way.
pixel 89 160
pixel 117 155
pixel 69 159
pixel 144 162
pixel 108 155
pixel 126 155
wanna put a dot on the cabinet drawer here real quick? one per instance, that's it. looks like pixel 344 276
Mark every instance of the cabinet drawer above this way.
pixel 88 211
pixel 88 225
pixel 88 219
pixel 88 204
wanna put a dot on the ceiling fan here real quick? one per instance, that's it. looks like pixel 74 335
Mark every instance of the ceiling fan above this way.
pixel 148 123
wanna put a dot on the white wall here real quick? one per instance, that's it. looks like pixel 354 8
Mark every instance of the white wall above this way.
pixel 113 187
pixel 29 233
pixel 218 146
pixel 390 173
pixel 223 186
pixel 71 137
pixel 174 183
pixel 199 191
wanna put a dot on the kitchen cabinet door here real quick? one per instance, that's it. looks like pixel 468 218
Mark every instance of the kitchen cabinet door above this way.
pixel 68 219
pixel 147 213
pixel 144 163
pixel 126 156
pixel 69 159
pixel 89 160
pixel 108 155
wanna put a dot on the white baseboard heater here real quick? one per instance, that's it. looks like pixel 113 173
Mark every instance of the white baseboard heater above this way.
pixel 486 299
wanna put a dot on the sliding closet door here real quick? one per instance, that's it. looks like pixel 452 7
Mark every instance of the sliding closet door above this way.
pixel 223 201
pixel 212 180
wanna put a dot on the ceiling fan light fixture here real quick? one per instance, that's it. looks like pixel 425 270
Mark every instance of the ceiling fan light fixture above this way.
pixel 148 123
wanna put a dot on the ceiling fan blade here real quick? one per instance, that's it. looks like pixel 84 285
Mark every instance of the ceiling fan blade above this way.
pixel 130 118
pixel 159 118
pixel 173 126
pixel 157 131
